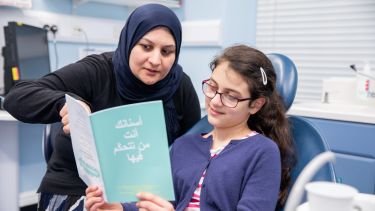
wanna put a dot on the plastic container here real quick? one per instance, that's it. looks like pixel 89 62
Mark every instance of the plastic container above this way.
pixel 366 84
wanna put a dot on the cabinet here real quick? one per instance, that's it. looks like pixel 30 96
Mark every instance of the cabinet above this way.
pixel 354 144
pixel 22 165
pixel 350 132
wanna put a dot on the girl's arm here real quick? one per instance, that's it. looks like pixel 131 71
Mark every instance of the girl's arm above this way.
pixel 262 186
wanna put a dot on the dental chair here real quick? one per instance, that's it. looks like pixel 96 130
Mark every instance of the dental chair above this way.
pixel 307 139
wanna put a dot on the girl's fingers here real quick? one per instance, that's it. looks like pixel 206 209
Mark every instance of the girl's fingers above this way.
pixel 95 207
pixel 149 206
pixel 151 202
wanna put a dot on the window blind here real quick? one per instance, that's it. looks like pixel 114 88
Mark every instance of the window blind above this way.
pixel 322 37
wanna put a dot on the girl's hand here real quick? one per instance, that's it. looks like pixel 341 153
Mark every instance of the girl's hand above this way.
pixel 64 116
pixel 95 201
pixel 151 202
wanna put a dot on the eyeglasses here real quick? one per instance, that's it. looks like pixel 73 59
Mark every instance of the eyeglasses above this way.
pixel 226 99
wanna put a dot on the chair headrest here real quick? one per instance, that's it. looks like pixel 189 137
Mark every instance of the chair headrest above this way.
pixel 287 78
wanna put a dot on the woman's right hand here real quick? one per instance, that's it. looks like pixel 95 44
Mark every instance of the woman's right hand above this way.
pixel 64 116
pixel 95 201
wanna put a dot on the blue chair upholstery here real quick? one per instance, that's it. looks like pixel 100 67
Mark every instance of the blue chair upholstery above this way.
pixel 309 143
pixel 287 78
pixel 307 139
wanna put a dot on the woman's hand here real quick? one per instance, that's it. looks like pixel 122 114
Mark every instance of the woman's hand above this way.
pixel 151 202
pixel 95 201
pixel 64 116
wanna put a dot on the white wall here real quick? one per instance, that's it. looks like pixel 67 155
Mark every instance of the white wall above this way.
pixel 208 26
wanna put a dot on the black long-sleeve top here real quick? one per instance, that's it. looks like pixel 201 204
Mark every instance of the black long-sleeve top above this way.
pixel 92 80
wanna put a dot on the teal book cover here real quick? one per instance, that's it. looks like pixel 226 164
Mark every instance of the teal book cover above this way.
pixel 130 152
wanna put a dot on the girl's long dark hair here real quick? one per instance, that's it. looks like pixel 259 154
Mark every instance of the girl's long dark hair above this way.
pixel 271 119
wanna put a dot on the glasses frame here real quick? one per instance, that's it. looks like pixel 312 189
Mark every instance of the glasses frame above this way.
pixel 221 95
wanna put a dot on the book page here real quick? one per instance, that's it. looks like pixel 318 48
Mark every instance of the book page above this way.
pixel 132 146
pixel 83 143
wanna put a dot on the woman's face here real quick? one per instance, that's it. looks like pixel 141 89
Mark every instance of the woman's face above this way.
pixel 152 57
pixel 226 80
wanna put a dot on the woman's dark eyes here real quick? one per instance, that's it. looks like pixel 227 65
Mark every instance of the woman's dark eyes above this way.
pixel 146 47
pixel 164 52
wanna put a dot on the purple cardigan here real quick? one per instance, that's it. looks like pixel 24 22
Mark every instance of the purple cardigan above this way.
pixel 244 176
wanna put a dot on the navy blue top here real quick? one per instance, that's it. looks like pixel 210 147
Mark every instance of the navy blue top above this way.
pixel 244 176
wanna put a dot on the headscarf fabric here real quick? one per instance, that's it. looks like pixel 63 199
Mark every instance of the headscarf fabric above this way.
pixel 130 88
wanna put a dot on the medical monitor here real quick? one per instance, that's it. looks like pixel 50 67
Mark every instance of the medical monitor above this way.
pixel 26 55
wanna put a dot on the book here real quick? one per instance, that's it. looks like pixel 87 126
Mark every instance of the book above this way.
pixel 124 150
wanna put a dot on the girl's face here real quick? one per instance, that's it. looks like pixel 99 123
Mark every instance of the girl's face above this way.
pixel 226 80
pixel 152 57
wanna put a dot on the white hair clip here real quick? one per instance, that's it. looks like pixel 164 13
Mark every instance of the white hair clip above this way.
pixel 264 76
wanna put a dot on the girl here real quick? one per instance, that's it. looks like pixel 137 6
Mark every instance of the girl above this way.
pixel 245 161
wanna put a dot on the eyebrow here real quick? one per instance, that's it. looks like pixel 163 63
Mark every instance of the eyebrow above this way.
pixel 226 89
pixel 167 46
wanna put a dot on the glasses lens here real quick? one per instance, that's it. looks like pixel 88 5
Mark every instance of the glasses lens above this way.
pixel 208 90
pixel 229 100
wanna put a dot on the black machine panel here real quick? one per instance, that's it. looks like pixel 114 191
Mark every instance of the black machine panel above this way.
pixel 26 55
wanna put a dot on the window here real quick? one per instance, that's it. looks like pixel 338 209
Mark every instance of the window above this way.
pixel 322 37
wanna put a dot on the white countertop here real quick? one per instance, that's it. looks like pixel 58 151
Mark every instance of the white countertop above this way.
pixel 5 116
pixel 344 112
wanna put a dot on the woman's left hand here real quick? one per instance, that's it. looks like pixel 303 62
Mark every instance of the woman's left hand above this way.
pixel 151 202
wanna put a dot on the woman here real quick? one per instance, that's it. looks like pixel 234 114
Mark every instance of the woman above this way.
pixel 143 68
pixel 244 163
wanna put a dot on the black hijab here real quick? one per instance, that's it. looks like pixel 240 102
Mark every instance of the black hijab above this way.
pixel 131 89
